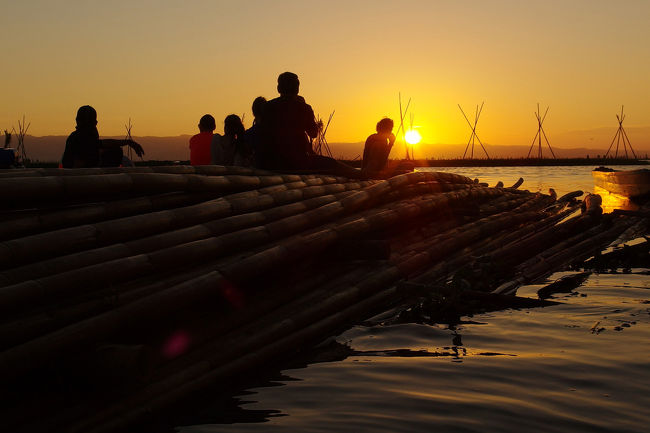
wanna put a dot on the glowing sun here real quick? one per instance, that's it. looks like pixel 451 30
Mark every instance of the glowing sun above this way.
pixel 412 137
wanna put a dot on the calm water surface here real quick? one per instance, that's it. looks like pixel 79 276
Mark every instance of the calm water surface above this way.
pixel 536 179
pixel 581 366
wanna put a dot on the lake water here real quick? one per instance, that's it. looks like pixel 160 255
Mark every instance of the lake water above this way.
pixel 580 366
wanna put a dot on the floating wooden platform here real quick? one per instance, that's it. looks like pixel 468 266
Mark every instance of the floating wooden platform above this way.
pixel 126 291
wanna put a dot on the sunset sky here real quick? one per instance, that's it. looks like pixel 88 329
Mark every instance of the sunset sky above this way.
pixel 166 63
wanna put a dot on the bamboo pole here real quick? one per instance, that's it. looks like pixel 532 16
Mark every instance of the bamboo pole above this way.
pixel 431 240
pixel 521 249
pixel 154 401
pixel 525 231
pixel 311 243
pixel 101 266
pixel 66 241
pixel 204 373
pixel 175 297
pixel 24 223
pixel 571 250
pixel 317 242
pixel 25 327
pixel 59 188
pixel 210 170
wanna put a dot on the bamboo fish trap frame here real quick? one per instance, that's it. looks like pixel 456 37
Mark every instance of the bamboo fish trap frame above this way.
pixel 125 291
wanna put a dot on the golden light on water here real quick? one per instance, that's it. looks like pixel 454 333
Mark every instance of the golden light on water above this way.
pixel 412 137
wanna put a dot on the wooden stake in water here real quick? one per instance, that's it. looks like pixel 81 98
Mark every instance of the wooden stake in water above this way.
pixel 321 141
pixel 22 132
pixel 540 133
pixel 621 136
pixel 129 151
pixel 474 135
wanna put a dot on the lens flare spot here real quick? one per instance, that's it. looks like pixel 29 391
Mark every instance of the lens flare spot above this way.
pixel 177 344
pixel 232 294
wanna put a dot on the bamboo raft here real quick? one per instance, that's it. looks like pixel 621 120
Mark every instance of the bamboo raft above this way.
pixel 126 291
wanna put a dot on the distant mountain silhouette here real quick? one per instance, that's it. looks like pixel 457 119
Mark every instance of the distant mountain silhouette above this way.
pixel 589 142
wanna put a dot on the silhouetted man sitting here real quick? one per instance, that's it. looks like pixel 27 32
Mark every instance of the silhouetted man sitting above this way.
pixel 377 149
pixel 83 148
pixel 288 124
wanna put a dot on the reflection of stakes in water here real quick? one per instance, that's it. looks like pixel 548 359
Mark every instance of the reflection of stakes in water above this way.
pixel 401 123
pixel 321 141
pixel 22 131
pixel 473 137
pixel 540 133
pixel 621 136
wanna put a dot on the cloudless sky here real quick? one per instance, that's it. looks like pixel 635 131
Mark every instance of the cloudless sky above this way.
pixel 165 63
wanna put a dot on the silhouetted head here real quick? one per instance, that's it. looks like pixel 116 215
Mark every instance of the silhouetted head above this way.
pixel 86 117
pixel 233 125
pixel 385 125
pixel 258 106
pixel 207 124
pixel 288 83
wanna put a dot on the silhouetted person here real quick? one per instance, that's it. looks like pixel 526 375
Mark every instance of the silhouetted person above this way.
pixel 201 142
pixel 83 148
pixel 230 148
pixel 377 149
pixel 288 126
pixel 252 137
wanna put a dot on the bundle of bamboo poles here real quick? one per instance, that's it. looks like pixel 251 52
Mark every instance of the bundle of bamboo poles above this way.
pixel 124 291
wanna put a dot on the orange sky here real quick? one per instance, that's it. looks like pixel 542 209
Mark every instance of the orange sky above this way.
pixel 165 63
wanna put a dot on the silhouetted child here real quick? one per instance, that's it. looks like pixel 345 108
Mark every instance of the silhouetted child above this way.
pixel 377 148
pixel 83 148
pixel 201 142
pixel 252 137
pixel 230 148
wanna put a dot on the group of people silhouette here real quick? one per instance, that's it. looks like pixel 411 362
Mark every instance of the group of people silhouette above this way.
pixel 280 139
